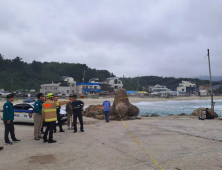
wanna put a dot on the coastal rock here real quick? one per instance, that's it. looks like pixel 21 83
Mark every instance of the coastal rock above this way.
pixel 154 115
pixel 146 115
pixel 182 114
pixel 170 115
pixel 196 112
pixel 122 106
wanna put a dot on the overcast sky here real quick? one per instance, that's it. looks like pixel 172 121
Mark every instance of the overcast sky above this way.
pixel 126 37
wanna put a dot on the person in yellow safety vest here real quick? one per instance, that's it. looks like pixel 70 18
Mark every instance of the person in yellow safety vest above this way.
pixel 50 116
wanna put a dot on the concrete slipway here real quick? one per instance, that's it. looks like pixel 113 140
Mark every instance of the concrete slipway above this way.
pixel 176 143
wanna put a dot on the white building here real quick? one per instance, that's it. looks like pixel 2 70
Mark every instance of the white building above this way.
pixel 203 92
pixel 88 87
pixel 165 93
pixel 65 87
pixel 158 88
pixel 186 87
pixel 49 88
pixel 115 82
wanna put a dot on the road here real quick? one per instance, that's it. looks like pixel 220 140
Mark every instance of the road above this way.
pixel 176 143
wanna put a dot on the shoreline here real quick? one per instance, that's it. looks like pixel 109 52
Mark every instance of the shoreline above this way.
pixel 133 100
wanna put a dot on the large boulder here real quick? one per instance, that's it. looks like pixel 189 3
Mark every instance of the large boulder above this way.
pixel 122 107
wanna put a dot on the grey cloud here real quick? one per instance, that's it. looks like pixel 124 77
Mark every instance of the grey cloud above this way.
pixel 129 37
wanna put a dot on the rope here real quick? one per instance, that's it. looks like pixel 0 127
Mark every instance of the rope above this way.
pixel 136 139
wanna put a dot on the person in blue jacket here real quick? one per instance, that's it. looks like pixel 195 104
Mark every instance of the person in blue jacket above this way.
pixel 107 106
pixel 8 117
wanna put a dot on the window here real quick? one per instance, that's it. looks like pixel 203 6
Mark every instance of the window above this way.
pixel 27 106
pixel 73 91
pixel 95 87
pixel 18 107
pixel 86 87
pixel 67 91
pixel 182 89
pixel 72 85
pixel 91 87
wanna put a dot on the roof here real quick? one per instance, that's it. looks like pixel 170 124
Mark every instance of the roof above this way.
pixel 141 92
pixel 94 79
pixel 88 84
pixel 130 92
pixel 44 85
pixel 217 86
pixel 111 78
pixel 203 91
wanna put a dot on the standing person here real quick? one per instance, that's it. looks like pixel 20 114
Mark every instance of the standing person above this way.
pixel 56 98
pixel 50 116
pixel 38 119
pixel 106 107
pixel 8 117
pixel 77 106
pixel 69 112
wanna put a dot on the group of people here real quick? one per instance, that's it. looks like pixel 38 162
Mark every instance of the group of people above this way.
pixel 46 114
pixel 49 112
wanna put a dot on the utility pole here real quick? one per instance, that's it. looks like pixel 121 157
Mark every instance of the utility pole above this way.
pixel 83 81
pixel 138 83
pixel 212 100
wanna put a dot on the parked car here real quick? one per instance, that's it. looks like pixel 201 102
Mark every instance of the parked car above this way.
pixel 24 113
pixel 29 100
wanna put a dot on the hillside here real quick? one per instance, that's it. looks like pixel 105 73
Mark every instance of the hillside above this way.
pixel 17 74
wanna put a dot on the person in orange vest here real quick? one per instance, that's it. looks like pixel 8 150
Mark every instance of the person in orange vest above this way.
pixel 50 116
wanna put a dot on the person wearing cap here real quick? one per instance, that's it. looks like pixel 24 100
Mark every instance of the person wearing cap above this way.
pixel 8 117
pixel 50 116
pixel 56 98
pixel 77 106
pixel 38 120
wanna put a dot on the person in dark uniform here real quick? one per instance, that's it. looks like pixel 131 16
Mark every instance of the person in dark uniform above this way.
pixel 208 114
pixel 56 98
pixel 8 117
pixel 77 106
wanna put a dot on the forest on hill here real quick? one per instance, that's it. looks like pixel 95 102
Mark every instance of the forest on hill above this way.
pixel 17 74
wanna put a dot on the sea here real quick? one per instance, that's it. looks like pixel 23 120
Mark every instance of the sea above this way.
pixel 177 107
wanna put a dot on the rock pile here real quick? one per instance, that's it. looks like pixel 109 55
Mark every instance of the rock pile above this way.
pixel 197 111
pixel 121 105
pixel 95 111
